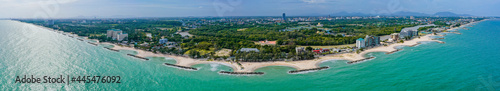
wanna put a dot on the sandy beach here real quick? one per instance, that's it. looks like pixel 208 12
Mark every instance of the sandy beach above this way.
pixel 298 65
pixel 182 61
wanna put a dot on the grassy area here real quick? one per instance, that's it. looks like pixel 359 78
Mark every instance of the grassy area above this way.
pixel 243 29
pixel 199 50
pixel 223 52
pixel 333 46
pixel 95 35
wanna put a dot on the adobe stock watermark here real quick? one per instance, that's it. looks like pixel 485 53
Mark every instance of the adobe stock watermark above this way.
pixel 224 6
pixel 392 6
pixel 48 9
pixel 487 84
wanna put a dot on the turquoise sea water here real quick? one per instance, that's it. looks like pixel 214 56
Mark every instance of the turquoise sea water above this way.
pixel 470 61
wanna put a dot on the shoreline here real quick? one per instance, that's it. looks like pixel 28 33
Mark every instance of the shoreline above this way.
pixel 297 65
pixel 181 61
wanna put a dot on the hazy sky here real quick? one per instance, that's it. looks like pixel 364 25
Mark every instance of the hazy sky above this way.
pixel 175 8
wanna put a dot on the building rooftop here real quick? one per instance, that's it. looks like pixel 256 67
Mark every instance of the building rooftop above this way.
pixel 249 49
pixel 360 39
pixel 385 37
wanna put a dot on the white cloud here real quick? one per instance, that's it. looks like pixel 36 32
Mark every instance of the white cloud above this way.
pixel 32 8
pixel 314 1
pixel 20 3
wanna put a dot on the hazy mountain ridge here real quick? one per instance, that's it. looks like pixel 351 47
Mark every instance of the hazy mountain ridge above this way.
pixel 400 13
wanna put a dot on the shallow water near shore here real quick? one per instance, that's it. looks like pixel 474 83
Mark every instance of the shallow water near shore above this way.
pixel 469 61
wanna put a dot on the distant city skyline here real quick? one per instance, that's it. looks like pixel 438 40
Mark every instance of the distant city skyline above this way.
pixel 184 8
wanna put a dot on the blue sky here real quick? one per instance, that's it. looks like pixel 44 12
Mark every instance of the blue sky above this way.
pixel 180 8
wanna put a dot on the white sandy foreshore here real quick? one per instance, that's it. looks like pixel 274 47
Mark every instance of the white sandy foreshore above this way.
pixel 299 65
pixel 182 61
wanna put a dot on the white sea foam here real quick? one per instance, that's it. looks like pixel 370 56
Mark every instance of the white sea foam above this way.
pixel 214 67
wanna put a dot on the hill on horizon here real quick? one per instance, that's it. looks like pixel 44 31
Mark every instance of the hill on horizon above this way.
pixel 400 13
